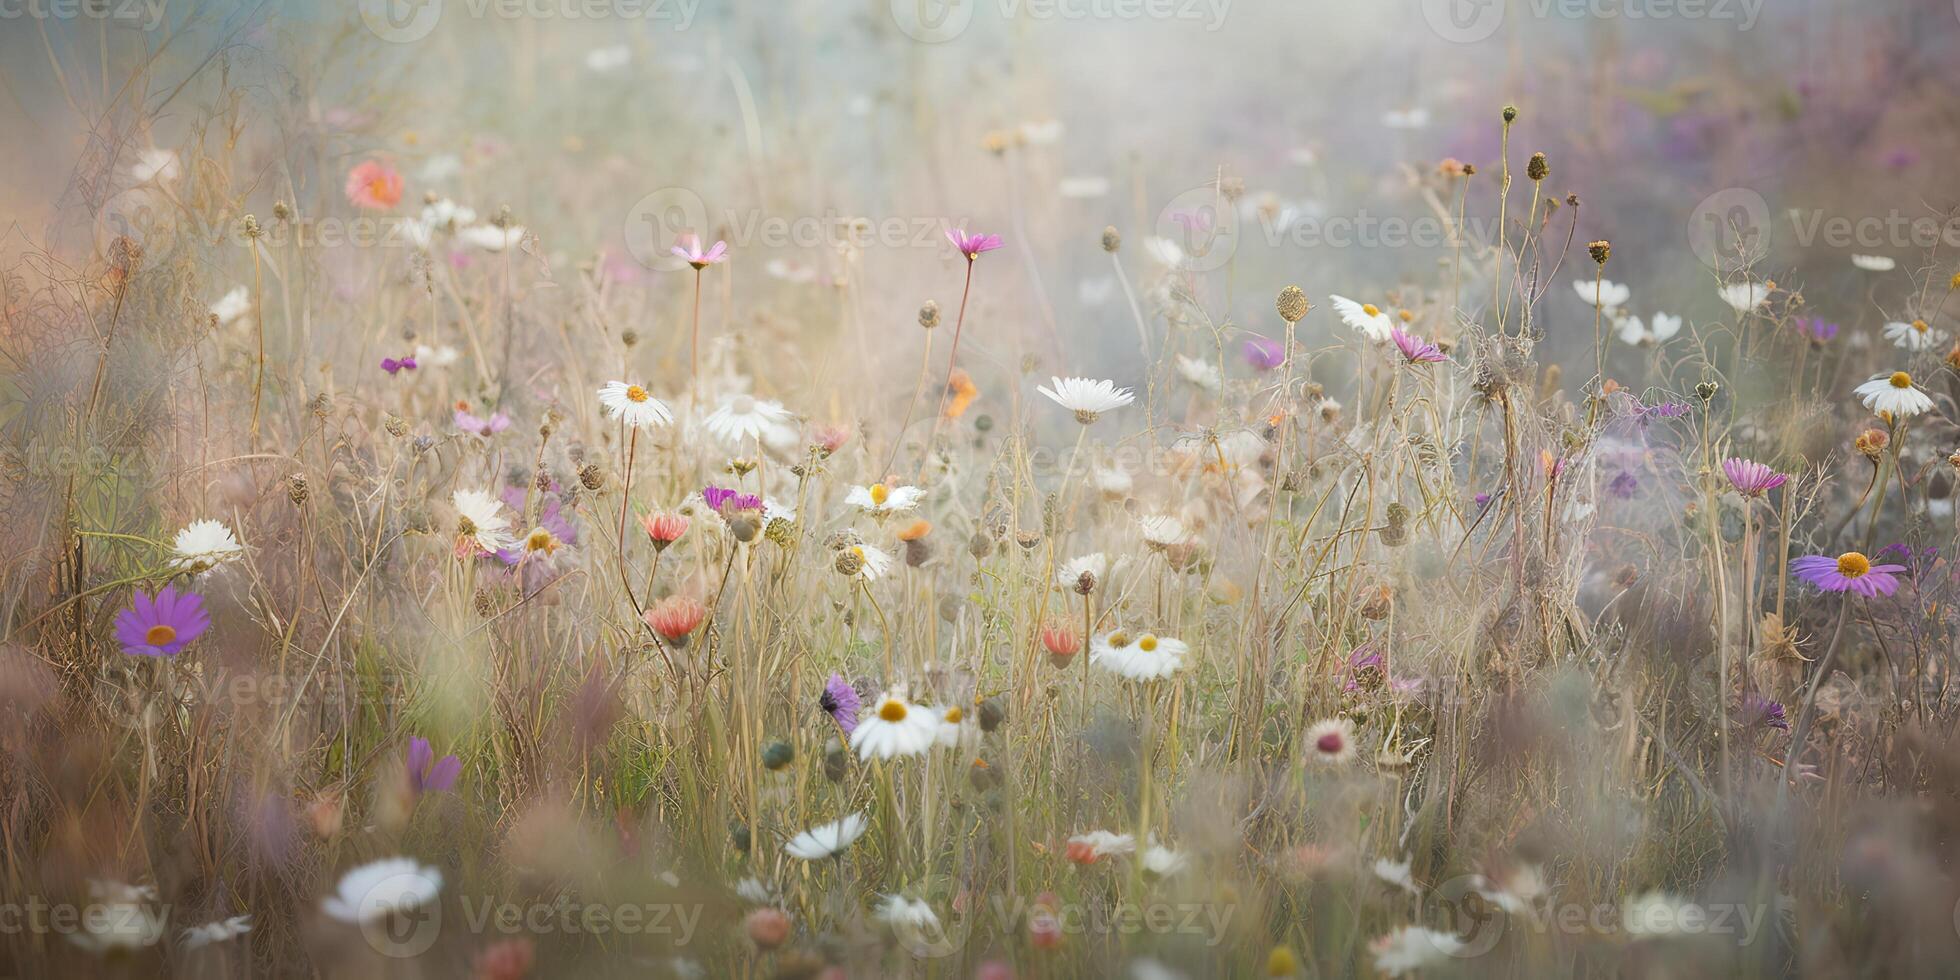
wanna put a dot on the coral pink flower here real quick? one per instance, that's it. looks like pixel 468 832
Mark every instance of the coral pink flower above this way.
pixel 675 617
pixel 664 528
pixel 374 185
pixel 1062 643
pixel 830 438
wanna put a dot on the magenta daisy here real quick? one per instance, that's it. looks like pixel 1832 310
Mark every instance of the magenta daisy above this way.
pixel 972 245
pixel 689 249
pixel 161 626
pixel 1750 478
pixel 1415 348
pixel 1848 572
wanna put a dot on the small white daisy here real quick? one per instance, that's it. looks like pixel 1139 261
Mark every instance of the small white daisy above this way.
pixel 1140 657
pixel 1744 296
pixel 633 405
pixel 1087 398
pixel 1874 263
pixel 1111 481
pixel 1917 335
pixel 1162 861
pixel 1098 844
pixel 828 840
pixel 1397 873
pixel 1095 564
pixel 378 889
pixel 754 892
pixel 873 562
pixel 744 417
pixel 435 357
pixel 1604 293
pixel 895 728
pixel 1199 372
pixel 956 730
pixel 1413 948
pixel 881 499
pixel 908 913
pixel 232 305
pixel 491 238
pixel 1658 914
pixel 1894 394
pixel 1331 741
pixel 1162 531
pixel 1634 332
pixel 1365 317
pixel 481 517
pixel 204 545
pixel 223 930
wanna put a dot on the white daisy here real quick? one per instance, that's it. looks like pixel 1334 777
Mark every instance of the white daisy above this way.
pixel 1917 335
pixel 1744 296
pixel 895 728
pixel 1162 861
pixel 1165 251
pixel 378 889
pixel 1397 873
pixel 608 59
pixel 902 912
pixel 1658 914
pixel 1413 948
pixel 491 238
pixel 204 545
pixel 233 305
pixel 1095 564
pixel 776 510
pixel 1365 317
pixel 1605 293
pixel 956 730
pixel 633 405
pixel 1098 844
pixel 155 164
pixel 481 517
pixel 873 562
pixel 220 931
pixel 828 840
pixel 435 357
pixel 744 417
pixel 1163 531
pixel 444 214
pixel 881 499
pixel 1111 481
pixel 1874 263
pixel 1634 332
pixel 1143 657
pixel 754 892
pixel 1331 741
pixel 1088 399
pixel 1199 372
pixel 1893 394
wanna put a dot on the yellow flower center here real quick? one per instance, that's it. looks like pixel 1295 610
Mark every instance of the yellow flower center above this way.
pixel 954 716
pixel 1900 379
pixel 1920 325
pixel 159 635
pixel 1148 643
pixel 1851 564
pixel 1406 316
pixel 378 187
pixel 1119 639
pixel 892 710
pixel 635 393
pixel 879 492
pixel 541 540
pixel 1370 309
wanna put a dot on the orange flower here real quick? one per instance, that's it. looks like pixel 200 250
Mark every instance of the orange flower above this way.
pixel 963 392
pixel 916 530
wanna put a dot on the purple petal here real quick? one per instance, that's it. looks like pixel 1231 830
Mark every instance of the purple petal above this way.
pixel 419 757
pixel 443 774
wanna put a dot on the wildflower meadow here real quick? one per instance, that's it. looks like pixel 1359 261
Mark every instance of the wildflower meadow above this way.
pixel 882 488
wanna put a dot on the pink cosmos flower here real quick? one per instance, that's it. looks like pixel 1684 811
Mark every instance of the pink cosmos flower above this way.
pixel 1750 478
pixel 1848 572
pixel 972 245
pixel 374 185
pixel 1415 348
pixel 475 425
pixel 689 248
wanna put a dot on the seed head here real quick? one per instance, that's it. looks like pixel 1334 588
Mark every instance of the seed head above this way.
pixel 1510 114
pixel 1111 241
pixel 1600 250
pixel 1538 168
pixel 1292 304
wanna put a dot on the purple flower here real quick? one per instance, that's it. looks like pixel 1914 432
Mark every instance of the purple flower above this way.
pixel 689 249
pixel 1848 572
pixel 481 427
pixel 1264 354
pixel 392 365
pixel 1624 485
pixel 1815 329
pixel 972 245
pixel 840 701
pixel 1759 711
pixel 1415 348
pixel 428 774
pixel 1750 478
pixel 721 500
pixel 161 626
